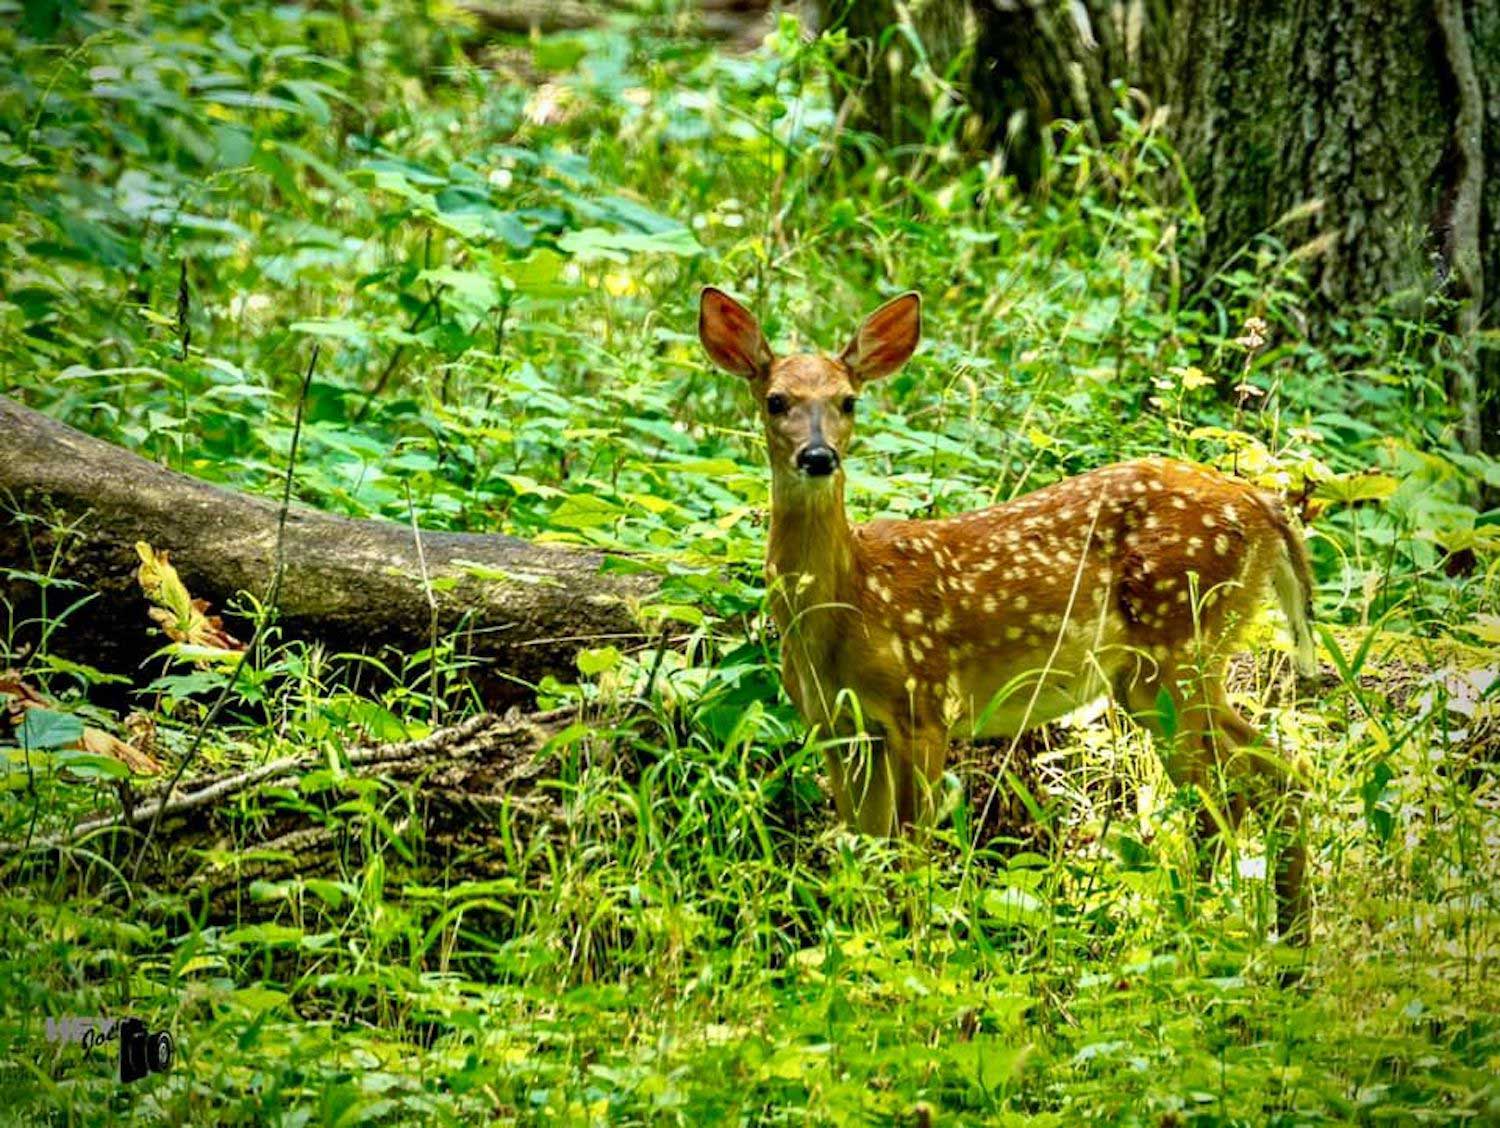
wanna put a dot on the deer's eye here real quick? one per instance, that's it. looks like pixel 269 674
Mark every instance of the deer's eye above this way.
pixel 776 403
pixel 849 404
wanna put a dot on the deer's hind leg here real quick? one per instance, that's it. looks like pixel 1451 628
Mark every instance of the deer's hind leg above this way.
pixel 1214 748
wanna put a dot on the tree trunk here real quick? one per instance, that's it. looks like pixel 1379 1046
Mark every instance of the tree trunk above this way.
pixel 1484 22
pixel 1365 137
pixel 1365 123
pixel 902 56
pixel 1037 62
pixel 1021 64
pixel 519 610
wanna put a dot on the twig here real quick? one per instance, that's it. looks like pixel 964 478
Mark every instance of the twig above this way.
pixel 432 612
pixel 268 614
pixel 219 789
pixel 184 308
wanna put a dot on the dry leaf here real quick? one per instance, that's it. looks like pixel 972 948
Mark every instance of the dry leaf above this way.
pixel 18 697
pixel 101 743
pixel 180 616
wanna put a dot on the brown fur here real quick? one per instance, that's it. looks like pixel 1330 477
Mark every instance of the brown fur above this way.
pixel 1135 579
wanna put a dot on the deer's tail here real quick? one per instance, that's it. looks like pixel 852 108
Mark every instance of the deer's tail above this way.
pixel 1293 583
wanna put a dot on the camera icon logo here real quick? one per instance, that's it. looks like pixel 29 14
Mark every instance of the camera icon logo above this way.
pixel 143 1051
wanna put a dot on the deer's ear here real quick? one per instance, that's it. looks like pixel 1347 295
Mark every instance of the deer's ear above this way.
pixel 887 338
pixel 732 336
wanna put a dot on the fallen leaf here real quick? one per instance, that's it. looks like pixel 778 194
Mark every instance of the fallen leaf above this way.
pixel 18 697
pixel 101 743
pixel 180 616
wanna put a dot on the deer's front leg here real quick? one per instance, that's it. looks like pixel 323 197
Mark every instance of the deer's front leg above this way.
pixel 920 756
pixel 863 777
pixel 887 782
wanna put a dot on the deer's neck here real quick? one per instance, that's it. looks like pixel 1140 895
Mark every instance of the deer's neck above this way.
pixel 810 558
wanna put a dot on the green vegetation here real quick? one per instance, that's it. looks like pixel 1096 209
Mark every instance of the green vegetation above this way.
pixel 498 246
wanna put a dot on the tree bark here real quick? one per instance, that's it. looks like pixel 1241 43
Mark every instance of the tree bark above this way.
pixel 901 53
pixel 1021 64
pixel 518 610
pixel 1364 137
pixel 1037 62
pixel 1483 21
pixel 540 17
pixel 1334 115
pixel 1356 132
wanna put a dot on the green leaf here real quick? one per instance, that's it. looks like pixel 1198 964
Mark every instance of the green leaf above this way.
pixel 618 246
pixel 1350 489
pixel 90 765
pixel 1013 907
pixel 44 728
pixel 596 661
pixel 478 288
pixel 585 511
pixel 268 934
pixel 556 53
pixel 1166 713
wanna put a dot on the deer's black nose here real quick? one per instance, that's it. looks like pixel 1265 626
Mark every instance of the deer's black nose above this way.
pixel 818 461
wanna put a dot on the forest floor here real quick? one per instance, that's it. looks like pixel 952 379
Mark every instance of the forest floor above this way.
pixel 498 244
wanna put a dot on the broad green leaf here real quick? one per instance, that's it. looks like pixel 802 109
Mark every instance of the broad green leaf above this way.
pixel 618 246
pixel 45 728
pixel 584 511
pixel 1349 489
pixel 593 662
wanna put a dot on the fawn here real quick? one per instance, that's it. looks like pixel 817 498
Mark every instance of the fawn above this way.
pixel 1132 580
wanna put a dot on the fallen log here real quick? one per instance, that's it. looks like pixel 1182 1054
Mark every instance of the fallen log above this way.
pixel 535 17
pixel 516 609
pixel 277 820
pixel 467 800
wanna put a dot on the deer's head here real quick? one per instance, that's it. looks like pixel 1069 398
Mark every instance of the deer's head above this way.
pixel 807 400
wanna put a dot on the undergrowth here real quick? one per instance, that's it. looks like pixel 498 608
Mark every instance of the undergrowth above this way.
pixel 498 245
